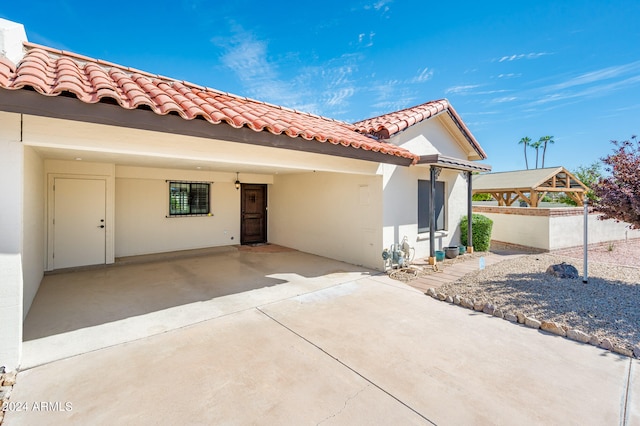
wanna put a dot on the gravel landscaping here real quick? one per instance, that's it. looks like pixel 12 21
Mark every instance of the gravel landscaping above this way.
pixel 606 308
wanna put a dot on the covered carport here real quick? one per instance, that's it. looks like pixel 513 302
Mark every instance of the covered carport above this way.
pixel 79 311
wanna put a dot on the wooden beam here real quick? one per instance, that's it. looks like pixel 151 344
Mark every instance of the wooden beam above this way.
pixel 524 197
pixel 534 199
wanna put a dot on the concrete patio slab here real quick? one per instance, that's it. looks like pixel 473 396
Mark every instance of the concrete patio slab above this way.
pixel 455 366
pixel 240 369
pixel 82 311
pixel 347 347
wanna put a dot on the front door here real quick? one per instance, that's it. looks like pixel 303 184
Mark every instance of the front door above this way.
pixel 253 224
pixel 79 222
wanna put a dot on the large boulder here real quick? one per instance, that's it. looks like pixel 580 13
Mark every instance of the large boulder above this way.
pixel 563 270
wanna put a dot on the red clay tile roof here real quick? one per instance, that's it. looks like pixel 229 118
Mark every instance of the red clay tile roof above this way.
pixel 388 125
pixel 52 72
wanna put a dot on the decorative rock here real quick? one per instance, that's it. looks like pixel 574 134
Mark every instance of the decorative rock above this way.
pixel 532 323
pixel 606 344
pixel 622 350
pixel 553 327
pixel 441 296
pixel 449 299
pixel 457 299
pixel 478 305
pixel 510 317
pixel 521 317
pixel 466 303
pixel 9 379
pixel 489 309
pixel 578 336
pixel 431 292
pixel 563 270
pixel 498 313
pixel 5 392
pixel 636 350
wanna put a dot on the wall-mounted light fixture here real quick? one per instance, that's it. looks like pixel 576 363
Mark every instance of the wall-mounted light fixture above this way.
pixel 237 181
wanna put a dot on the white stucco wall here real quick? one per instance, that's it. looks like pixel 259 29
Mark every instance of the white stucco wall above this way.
pixel 33 246
pixel 401 207
pixel 429 137
pixel 11 234
pixel 335 215
pixel 142 200
pixel 530 231
pixel 552 229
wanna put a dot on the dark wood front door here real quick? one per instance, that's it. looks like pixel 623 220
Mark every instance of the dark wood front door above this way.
pixel 253 223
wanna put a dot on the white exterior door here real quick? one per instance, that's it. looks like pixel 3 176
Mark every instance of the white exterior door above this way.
pixel 79 222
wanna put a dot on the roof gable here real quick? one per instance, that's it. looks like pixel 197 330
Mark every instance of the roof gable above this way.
pixel 388 125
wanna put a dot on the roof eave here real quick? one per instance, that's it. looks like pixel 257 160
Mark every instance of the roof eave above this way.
pixel 453 163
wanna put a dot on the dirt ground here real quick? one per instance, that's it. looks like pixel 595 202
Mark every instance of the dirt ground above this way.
pixel 622 253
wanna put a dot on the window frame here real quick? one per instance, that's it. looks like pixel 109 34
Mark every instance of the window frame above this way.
pixel 423 199
pixel 192 201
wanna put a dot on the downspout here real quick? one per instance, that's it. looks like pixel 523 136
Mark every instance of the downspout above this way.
pixel 432 216
pixel 469 212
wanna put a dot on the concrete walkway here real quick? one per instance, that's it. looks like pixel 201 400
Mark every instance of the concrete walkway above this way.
pixel 366 350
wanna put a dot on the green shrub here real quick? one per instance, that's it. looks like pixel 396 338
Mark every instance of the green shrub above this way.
pixel 482 227
pixel 481 196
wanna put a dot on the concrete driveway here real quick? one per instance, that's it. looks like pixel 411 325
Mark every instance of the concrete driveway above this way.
pixel 346 347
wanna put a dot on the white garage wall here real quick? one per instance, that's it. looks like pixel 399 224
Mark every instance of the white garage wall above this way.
pixel 329 214
pixel 142 199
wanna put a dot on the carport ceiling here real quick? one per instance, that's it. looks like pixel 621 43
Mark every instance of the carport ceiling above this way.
pixel 158 162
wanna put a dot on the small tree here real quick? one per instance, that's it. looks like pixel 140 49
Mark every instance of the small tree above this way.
pixel 544 141
pixel 536 145
pixel 619 194
pixel 526 141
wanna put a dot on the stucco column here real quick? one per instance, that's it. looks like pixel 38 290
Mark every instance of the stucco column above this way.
pixel 469 212
pixel 11 174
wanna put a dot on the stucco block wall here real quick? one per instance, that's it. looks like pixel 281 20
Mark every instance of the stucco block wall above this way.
pixel 329 214
pixel 401 208
pixel 142 207
pixel 552 229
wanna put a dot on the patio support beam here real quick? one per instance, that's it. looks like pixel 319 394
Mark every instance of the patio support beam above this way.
pixel 432 215
pixel 469 212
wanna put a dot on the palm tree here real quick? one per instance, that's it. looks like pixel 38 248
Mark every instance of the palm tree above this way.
pixel 526 141
pixel 545 140
pixel 536 145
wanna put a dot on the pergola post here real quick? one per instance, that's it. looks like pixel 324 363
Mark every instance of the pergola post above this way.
pixel 432 215
pixel 469 213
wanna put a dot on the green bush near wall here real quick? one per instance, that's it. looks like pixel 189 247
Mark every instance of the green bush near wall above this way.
pixel 482 227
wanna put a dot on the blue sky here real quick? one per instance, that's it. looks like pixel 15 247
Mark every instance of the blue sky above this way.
pixel 569 68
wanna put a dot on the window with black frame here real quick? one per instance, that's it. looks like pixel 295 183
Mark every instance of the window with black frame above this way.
pixel 424 192
pixel 189 198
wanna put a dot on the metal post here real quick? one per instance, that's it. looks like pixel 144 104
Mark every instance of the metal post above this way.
pixel 469 212
pixel 432 215
pixel 585 266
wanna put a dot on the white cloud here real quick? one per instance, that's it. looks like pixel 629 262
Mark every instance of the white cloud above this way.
pixel 423 75
pixel 340 97
pixel 461 89
pixel 598 75
pixel 366 39
pixel 504 99
pixel 380 5
pixel 519 56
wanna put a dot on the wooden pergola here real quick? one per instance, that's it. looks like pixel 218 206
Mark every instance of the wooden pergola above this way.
pixel 529 185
